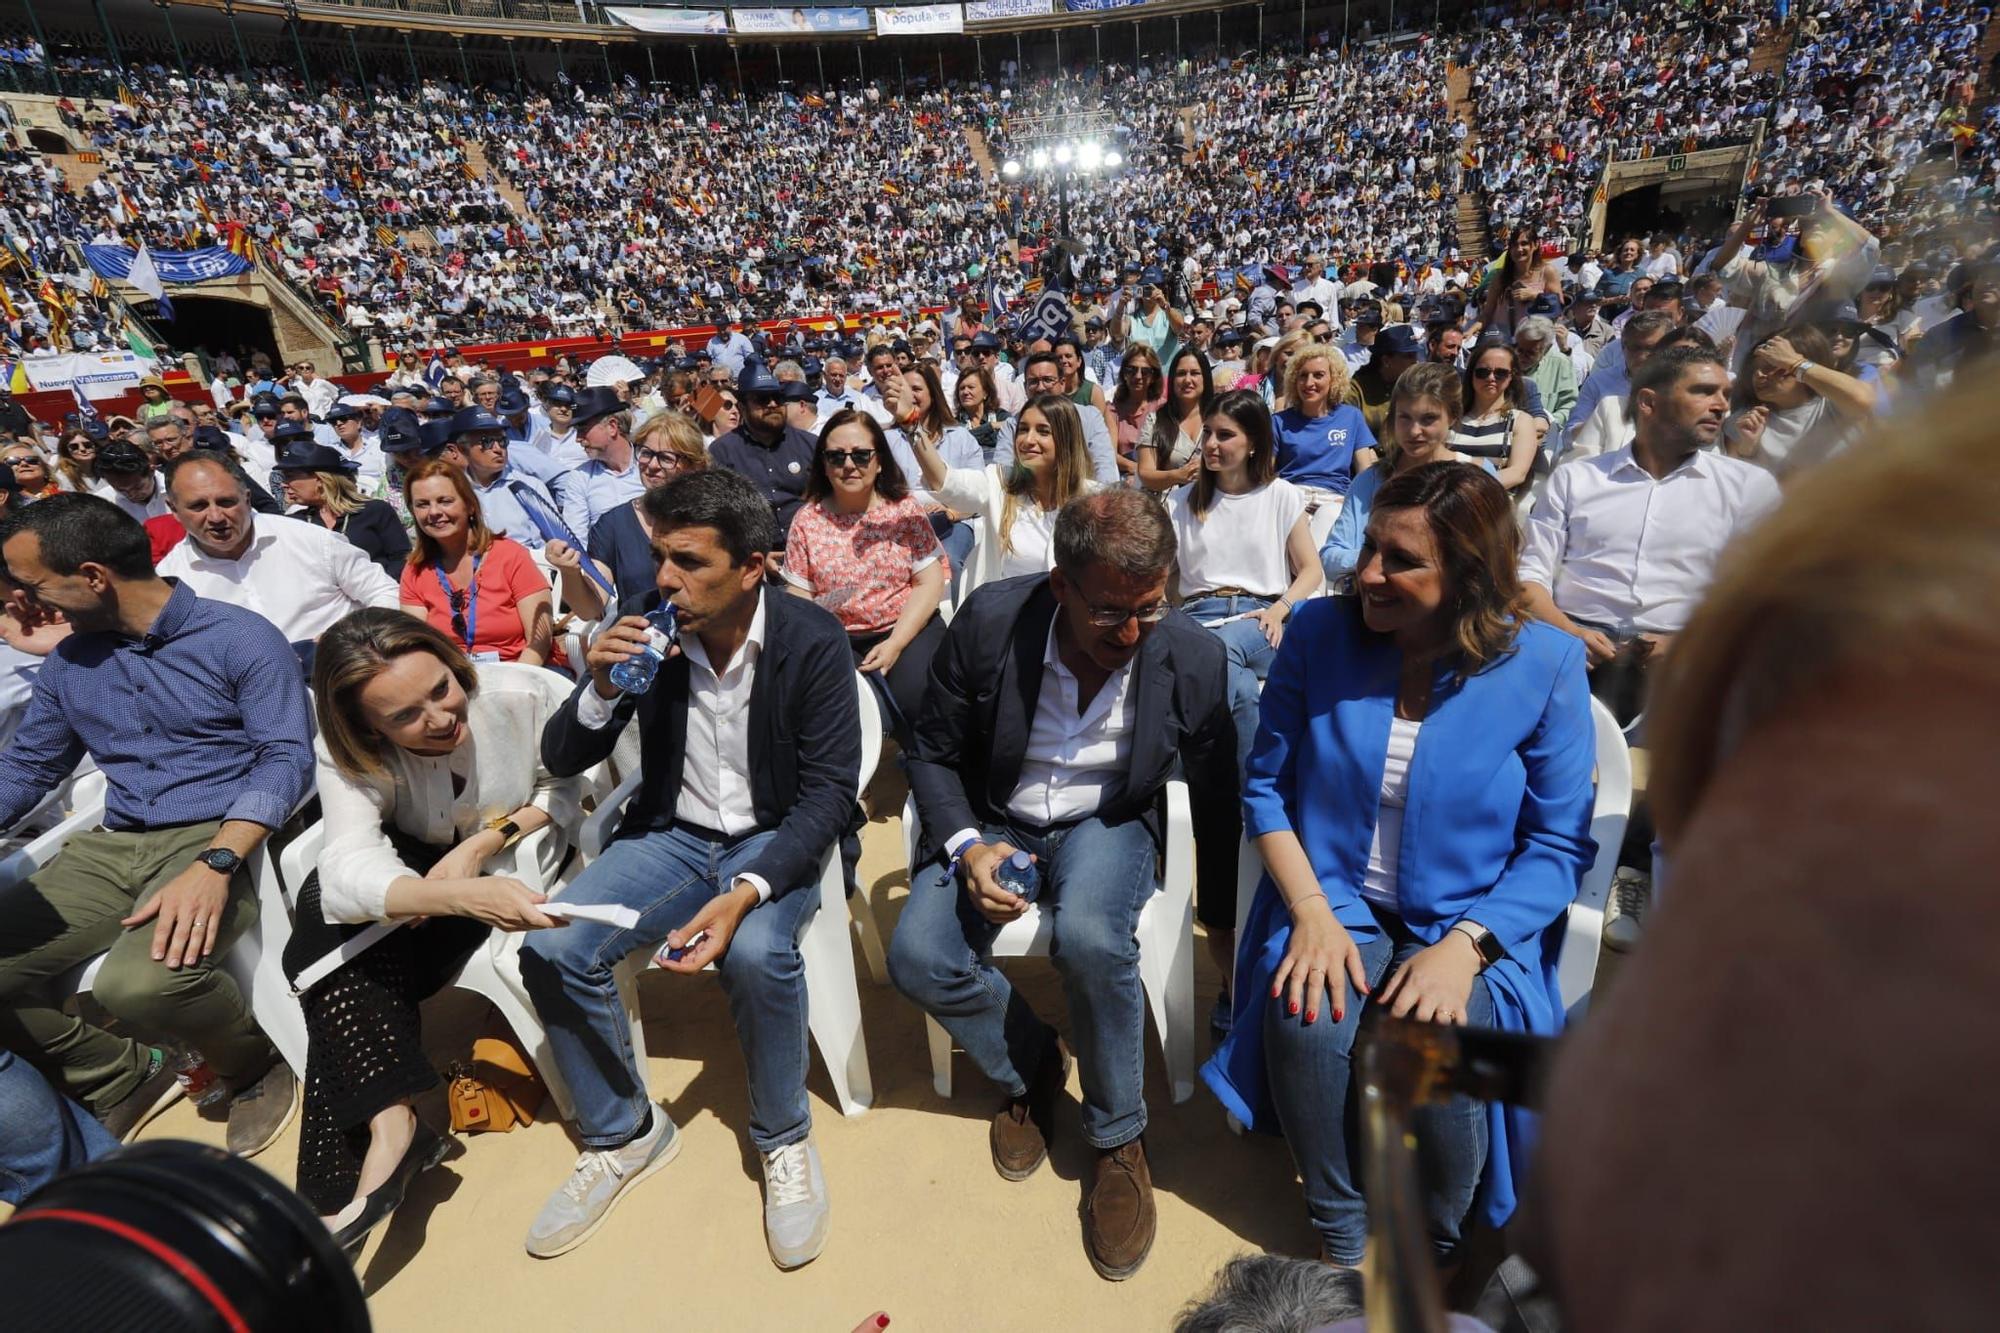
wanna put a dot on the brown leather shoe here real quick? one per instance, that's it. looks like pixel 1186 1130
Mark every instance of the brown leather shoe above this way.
pixel 1021 1129
pixel 1118 1215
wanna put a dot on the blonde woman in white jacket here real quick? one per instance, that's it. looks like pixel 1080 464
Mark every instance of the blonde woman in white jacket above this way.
pixel 430 773
pixel 1015 508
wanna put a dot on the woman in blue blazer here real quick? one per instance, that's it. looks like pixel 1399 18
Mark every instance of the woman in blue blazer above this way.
pixel 1420 792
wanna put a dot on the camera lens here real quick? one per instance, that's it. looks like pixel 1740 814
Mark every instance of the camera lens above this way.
pixel 174 1237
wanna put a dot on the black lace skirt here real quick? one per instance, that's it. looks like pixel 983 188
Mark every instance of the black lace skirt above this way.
pixel 364 1041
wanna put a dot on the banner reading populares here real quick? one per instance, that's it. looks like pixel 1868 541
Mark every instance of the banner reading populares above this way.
pixel 920 19
pixel 671 20
pixel 768 21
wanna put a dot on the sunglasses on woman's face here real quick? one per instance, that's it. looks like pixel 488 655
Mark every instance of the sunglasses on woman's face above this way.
pixel 847 457
pixel 1498 373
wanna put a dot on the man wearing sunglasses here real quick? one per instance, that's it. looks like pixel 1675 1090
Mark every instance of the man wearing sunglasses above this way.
pixel 1059 706
pixel 510 497
pixel 772 453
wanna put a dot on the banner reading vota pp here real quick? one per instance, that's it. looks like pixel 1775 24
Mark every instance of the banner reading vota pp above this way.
pixel 920 19
pixel 986 11
pixel 1085 6
pixel 800 20
pixel 671 20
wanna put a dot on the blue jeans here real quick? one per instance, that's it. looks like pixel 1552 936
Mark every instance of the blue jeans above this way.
pixel 1312 1087
pixel 667 877
pixel 1250 658
pixel 45 1134
pixel 1095 878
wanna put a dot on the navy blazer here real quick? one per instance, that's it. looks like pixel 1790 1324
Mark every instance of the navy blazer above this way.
pixel 985 681
pixel 805 739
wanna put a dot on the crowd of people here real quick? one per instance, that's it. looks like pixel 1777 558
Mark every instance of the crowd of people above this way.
pixel 1339 548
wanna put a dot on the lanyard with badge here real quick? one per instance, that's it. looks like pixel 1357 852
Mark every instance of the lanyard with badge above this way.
pixel 467 622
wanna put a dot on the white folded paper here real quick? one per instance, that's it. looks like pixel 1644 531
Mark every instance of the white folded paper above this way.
pixel 604 914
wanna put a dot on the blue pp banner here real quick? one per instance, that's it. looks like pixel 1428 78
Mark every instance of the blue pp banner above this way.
pixel 1050 317
pixel 215 261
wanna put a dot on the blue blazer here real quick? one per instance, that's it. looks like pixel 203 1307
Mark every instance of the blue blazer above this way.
pixel 1496 826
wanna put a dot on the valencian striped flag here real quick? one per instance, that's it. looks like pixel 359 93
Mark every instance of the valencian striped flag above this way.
pixel 238 240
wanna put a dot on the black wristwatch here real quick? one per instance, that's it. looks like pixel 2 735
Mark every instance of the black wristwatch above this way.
pixel 221 860
pixel 1484 940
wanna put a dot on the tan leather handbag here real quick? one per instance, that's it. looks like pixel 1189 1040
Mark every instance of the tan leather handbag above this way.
pixel 497 1091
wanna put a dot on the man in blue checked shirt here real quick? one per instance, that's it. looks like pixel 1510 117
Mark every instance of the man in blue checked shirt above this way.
pixel 196 715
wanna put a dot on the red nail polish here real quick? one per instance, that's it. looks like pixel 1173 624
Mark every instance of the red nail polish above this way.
pixel 1311 1014
pixel 1337 1015
pixel 1275 990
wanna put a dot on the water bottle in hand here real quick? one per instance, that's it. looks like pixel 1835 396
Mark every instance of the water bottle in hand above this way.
pixel 1017 875
pixel 635 675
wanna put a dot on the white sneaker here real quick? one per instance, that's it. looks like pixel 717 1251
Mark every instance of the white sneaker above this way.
pixel 795 1205
pixel 600 1179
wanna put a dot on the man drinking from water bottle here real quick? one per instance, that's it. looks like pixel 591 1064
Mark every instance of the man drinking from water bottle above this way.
pixel 750 743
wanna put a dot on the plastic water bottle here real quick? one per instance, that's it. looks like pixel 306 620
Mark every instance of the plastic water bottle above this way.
pixel 1018 876
pixel 635 675
pixel 197 1080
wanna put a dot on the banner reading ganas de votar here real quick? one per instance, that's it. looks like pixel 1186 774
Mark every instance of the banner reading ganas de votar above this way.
pixel 98 374
pixel 800 20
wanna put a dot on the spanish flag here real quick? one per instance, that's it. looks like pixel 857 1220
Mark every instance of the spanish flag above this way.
pixel 1596 106
pixel 7 306
pixel 238 240
pixel 207 213
pixel 889 187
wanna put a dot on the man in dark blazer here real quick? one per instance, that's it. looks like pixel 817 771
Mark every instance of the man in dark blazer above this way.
pixel 1059 706
pixel 750 751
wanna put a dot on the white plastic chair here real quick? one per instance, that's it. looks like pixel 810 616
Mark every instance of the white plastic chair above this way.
pixel 1583 935
pixel 1166 948
pixel 833 999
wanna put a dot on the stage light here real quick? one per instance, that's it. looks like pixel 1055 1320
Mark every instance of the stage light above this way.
pixel 1010 168
pixel 1039 159
pixel 1114 160
pixel 1090 156
pixel 1062 154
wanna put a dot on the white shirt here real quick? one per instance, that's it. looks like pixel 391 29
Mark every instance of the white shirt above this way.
pixel 298 576
pixel 1072 755
pixel 1615 547
pixel 499 770
pixel 1608 428
pixel 153 508
pixel 830 403
pixel 715 765
pixel 1325 293
pixel 1240 543
pixel 320 396
pixel 1385 851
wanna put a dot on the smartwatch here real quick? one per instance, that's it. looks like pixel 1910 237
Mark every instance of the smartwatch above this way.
pixel 221 860
pixel 1483 940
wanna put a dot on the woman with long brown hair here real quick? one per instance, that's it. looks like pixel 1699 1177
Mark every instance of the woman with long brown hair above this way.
pixel 1495 424
pixel 1141 391
pixel 1170 439
pixel 1016 509
pixel 1420 794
